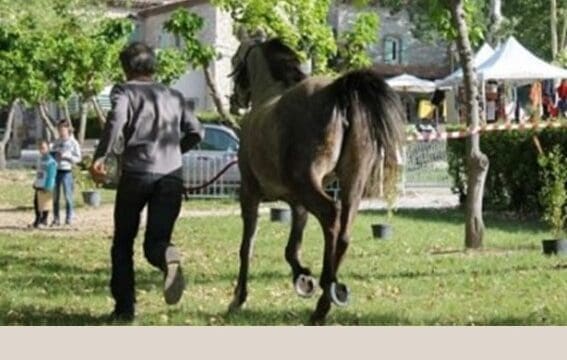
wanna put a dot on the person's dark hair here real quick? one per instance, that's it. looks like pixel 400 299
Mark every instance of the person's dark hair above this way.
pixel 42 141
pixel 138 59
pixel 63 123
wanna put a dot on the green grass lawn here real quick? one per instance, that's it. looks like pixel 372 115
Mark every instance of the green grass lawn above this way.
pixel 419 277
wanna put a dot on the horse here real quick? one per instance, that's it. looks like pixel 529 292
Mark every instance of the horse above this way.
pixel 300 133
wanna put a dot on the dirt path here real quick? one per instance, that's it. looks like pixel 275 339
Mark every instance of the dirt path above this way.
pixel 100 220
pixel 90 220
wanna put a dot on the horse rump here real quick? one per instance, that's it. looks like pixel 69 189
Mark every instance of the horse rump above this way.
pixel 365 99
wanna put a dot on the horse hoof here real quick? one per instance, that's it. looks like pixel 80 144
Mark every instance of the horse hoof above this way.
pixel 316 321
pixel 339 293
pixel 305 286
pixel 235 306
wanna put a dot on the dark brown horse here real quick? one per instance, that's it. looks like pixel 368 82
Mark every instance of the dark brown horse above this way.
pixel 300 132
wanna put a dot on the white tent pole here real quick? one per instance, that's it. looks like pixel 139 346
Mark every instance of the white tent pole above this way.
pixel 516 104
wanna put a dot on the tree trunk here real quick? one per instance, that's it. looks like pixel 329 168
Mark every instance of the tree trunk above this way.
pixel 553 24
pixel 477 162
pixel 493 36
pixel 215 94
pixel 563 34
pixel 83 121
pixel 7 134
pixel 99 113
pixel 48 122
pixel 65 106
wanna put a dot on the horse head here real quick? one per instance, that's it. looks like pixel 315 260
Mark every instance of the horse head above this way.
pixel 279 61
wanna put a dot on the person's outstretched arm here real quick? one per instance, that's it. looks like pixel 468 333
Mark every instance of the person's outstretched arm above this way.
pixel 191 129
pixel 117 117
pixel 75 155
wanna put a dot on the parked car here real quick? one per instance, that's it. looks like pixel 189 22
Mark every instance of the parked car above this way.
pixel 218 148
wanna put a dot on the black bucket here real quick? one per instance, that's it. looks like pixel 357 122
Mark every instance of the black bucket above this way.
pixel 381 231
pixel 280 215
pixel 91 198
pixel 555 247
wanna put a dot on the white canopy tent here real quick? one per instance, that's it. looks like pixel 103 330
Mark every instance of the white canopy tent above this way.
pixel 483 54
pixel 410 83
pixel 513 62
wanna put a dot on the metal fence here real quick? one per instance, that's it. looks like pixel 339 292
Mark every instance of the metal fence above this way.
pixel 199 169
pixel 426 165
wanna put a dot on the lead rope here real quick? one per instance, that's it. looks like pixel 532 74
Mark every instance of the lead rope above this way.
pixel 192 189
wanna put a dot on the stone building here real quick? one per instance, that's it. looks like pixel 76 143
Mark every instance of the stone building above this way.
pixel 397 49
pixel 150 15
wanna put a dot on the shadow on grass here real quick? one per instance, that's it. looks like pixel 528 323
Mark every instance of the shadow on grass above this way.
pixel 457 217
pixel 29 229
pixel 28 315
pixel 256 317
pixel 340 317
pixel 59 278
pixel 22 208
pixel 463 271
pixel 260 276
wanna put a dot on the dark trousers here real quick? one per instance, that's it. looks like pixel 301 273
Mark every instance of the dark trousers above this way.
pixel 63 179
pixel 163 196
pixel 40 216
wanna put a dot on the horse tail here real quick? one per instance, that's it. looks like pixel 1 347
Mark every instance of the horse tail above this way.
pixel 365 99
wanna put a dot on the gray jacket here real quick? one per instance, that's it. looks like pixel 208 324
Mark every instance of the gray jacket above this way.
pixel 70 152
pixel 149 126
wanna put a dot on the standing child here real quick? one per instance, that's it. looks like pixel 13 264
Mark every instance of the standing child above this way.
pixel 67 153
pixel 43 185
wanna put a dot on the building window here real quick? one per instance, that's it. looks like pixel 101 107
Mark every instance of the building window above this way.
pixel 168 40
pixel 178 42
pixel 137 33
pixel 392 50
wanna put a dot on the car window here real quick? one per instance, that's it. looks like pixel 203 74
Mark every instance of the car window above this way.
pixel 217 140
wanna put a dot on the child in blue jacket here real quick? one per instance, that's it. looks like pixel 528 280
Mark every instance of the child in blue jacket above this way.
pixel 44 185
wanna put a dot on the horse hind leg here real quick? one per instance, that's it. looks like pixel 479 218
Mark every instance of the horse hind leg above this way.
pixel 327 211
pixel 305 285
pixel 249 203
pixel 352 188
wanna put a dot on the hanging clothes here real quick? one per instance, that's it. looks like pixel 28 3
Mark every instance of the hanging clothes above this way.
pixel 562 96
pixel 535 94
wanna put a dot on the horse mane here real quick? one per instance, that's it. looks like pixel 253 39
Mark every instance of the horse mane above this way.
pixel 283 62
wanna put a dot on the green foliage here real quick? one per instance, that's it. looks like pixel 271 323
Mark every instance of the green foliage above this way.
pixel 562 58
pixel 528 20
pixel 187 26
pixel 303 25
pixel 553 193
pixel 52 49
pixel 514 177
pixel 432 19
pixel 19 78
pixel 353 43
pixel 171 65
pixel 98 63
pixel 81 175
pixel 530 23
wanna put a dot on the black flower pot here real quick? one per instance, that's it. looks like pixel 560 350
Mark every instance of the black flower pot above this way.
pixel 555 247
pixel 381 231
pixel 91 198
pixel 280 215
